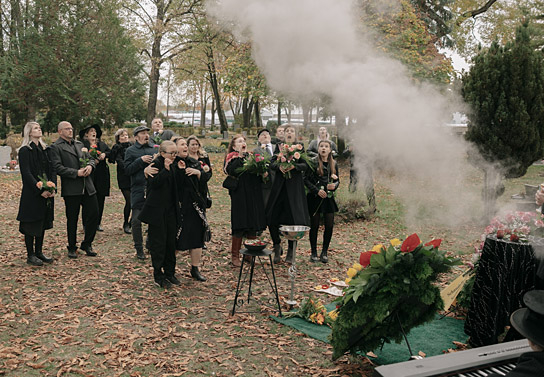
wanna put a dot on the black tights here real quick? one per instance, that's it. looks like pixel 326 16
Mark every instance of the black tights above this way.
pixel 34 247
pixel 126 210
pixel 327 234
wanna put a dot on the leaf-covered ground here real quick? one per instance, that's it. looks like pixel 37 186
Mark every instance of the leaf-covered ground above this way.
pixel 104 316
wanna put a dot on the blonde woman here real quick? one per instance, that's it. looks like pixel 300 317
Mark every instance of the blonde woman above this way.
pixel 36 205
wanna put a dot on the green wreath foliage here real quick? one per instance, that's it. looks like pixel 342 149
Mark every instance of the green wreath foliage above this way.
pixel 396 286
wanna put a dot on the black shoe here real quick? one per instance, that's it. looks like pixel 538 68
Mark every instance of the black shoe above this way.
pixel 140 254
pixel 89 251
pixel 196 274
pixel 323 257
pixel 99 228
pixel 163 284
pixel 32 260
pixel 313 257
pixel 173 279
pixel 43 258
pixel 126 228
pixel 72 254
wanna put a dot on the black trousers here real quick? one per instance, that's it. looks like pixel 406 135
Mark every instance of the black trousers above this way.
pixel 90 218
pixel 162 246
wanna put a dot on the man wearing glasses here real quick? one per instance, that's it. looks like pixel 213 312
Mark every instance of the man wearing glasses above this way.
pixel 137 158
pixel 74 167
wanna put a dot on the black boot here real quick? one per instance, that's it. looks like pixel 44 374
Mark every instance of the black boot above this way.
pixel 313 257
pixel 126 228
pixel 277 253
pixel 39 253
pixel 140 253
pixel 30 256
pixel 196 274
pixel 289 257
pixel 323 256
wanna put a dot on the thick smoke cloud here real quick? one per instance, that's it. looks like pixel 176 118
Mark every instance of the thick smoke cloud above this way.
pixel 311 47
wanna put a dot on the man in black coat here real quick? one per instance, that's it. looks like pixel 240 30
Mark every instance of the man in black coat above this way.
pixel 529 322
pixel 75 166
pixel 137 157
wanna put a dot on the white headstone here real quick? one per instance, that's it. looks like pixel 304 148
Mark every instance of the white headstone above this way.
pixel 5 155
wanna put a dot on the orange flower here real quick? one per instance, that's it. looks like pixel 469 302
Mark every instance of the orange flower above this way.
pixel 50 184
pixel 410 243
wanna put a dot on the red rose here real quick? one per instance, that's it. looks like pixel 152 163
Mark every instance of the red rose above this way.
pixel 364 258
pixel 500 234
pixel 514 237
pixel 410 243
pixel 434 243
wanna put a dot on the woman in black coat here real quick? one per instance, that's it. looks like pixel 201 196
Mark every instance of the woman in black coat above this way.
pixel 37 204
pixel 117 156
pixel 191 185
pixel 247 216
pixel 90 136
pixel 287 202
pixel 160 212
pixel 321 183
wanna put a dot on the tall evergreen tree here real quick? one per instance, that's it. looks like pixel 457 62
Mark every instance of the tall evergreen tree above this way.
pixel 505 88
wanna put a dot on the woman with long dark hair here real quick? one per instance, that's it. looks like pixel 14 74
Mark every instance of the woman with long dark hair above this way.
pixel 321 184
pixel 90 137
pixel 287 202
pixel 117 156
pixel 191 183
pixel 247 215
pixel 36 205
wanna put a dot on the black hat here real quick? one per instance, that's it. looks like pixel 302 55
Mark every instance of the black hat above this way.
pixel 95 126
pixel 140 129
pixel 529 321
pixel 263 130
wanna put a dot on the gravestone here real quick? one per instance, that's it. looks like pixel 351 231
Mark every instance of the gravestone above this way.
pixel 225 134
pixel 5 155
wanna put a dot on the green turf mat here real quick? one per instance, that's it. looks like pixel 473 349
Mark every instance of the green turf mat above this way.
pixel 431 338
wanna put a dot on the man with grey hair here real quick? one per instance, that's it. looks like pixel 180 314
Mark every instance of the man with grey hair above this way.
pixel 72 162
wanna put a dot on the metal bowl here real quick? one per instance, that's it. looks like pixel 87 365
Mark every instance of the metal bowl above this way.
pixel 294 232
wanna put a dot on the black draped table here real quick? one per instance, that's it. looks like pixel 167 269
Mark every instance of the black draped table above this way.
pixel 506 271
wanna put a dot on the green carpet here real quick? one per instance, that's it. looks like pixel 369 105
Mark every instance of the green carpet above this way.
pixel 431 338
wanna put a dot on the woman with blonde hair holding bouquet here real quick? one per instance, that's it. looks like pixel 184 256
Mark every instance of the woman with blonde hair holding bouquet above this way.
pixel 39 186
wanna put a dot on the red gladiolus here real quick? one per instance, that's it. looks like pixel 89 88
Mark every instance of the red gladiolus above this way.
pixel 364 258
pixel 434 243
pixel 410 243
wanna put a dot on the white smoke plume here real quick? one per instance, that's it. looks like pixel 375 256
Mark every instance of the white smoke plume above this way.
pixel 311 47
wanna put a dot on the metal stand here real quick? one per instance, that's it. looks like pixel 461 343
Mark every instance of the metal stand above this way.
pixel 293 233
pixel 292 276
pixel 254 255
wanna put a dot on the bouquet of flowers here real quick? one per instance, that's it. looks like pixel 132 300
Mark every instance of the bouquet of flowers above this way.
pixel 515 226
pixel 94 152
pixel 313 310
pixel 389 286
pixel 289 155
pixel 45 184
pixel 156 140
pixel 256 164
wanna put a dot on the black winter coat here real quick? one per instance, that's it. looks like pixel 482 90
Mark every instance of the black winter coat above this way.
pixel 66 162
pixel 247 205
pixel 117 156
pixel 101 174
pixel 314 182
pixel 294 189
pixel 134 167
pixel 34 162
pixel 161 194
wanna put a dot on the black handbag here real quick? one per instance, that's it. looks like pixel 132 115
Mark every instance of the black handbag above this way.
pixel 207 234
pixel 230 182
pixel 208 200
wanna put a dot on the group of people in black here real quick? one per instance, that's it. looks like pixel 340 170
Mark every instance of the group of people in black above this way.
pixel 299 194
pixel 164 181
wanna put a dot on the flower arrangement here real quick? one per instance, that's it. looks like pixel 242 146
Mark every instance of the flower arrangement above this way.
pixel 94 152
pixel 313 310
pixel 289 155
pixel 515 226
pixel 45 184
pixel 389 287
pixel 255 164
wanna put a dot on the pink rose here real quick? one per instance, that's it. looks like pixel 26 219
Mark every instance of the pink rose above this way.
pixel 84 150
pixel 50 184
pixel 285 146
pixel 283 159
pixel 280 155
pixel 299 147
pixel 291 149
pixel 39 184
pixel 297 155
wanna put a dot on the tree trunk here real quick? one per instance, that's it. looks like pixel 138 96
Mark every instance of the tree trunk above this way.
pixel 247 108
pixel 305 112
pixel 257 111
pixel 154 79
pixel 213 115
pixel 279 113
pixel 215 90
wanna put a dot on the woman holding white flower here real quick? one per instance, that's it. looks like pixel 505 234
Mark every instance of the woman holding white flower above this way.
pixel 322 183
pixel 39 186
